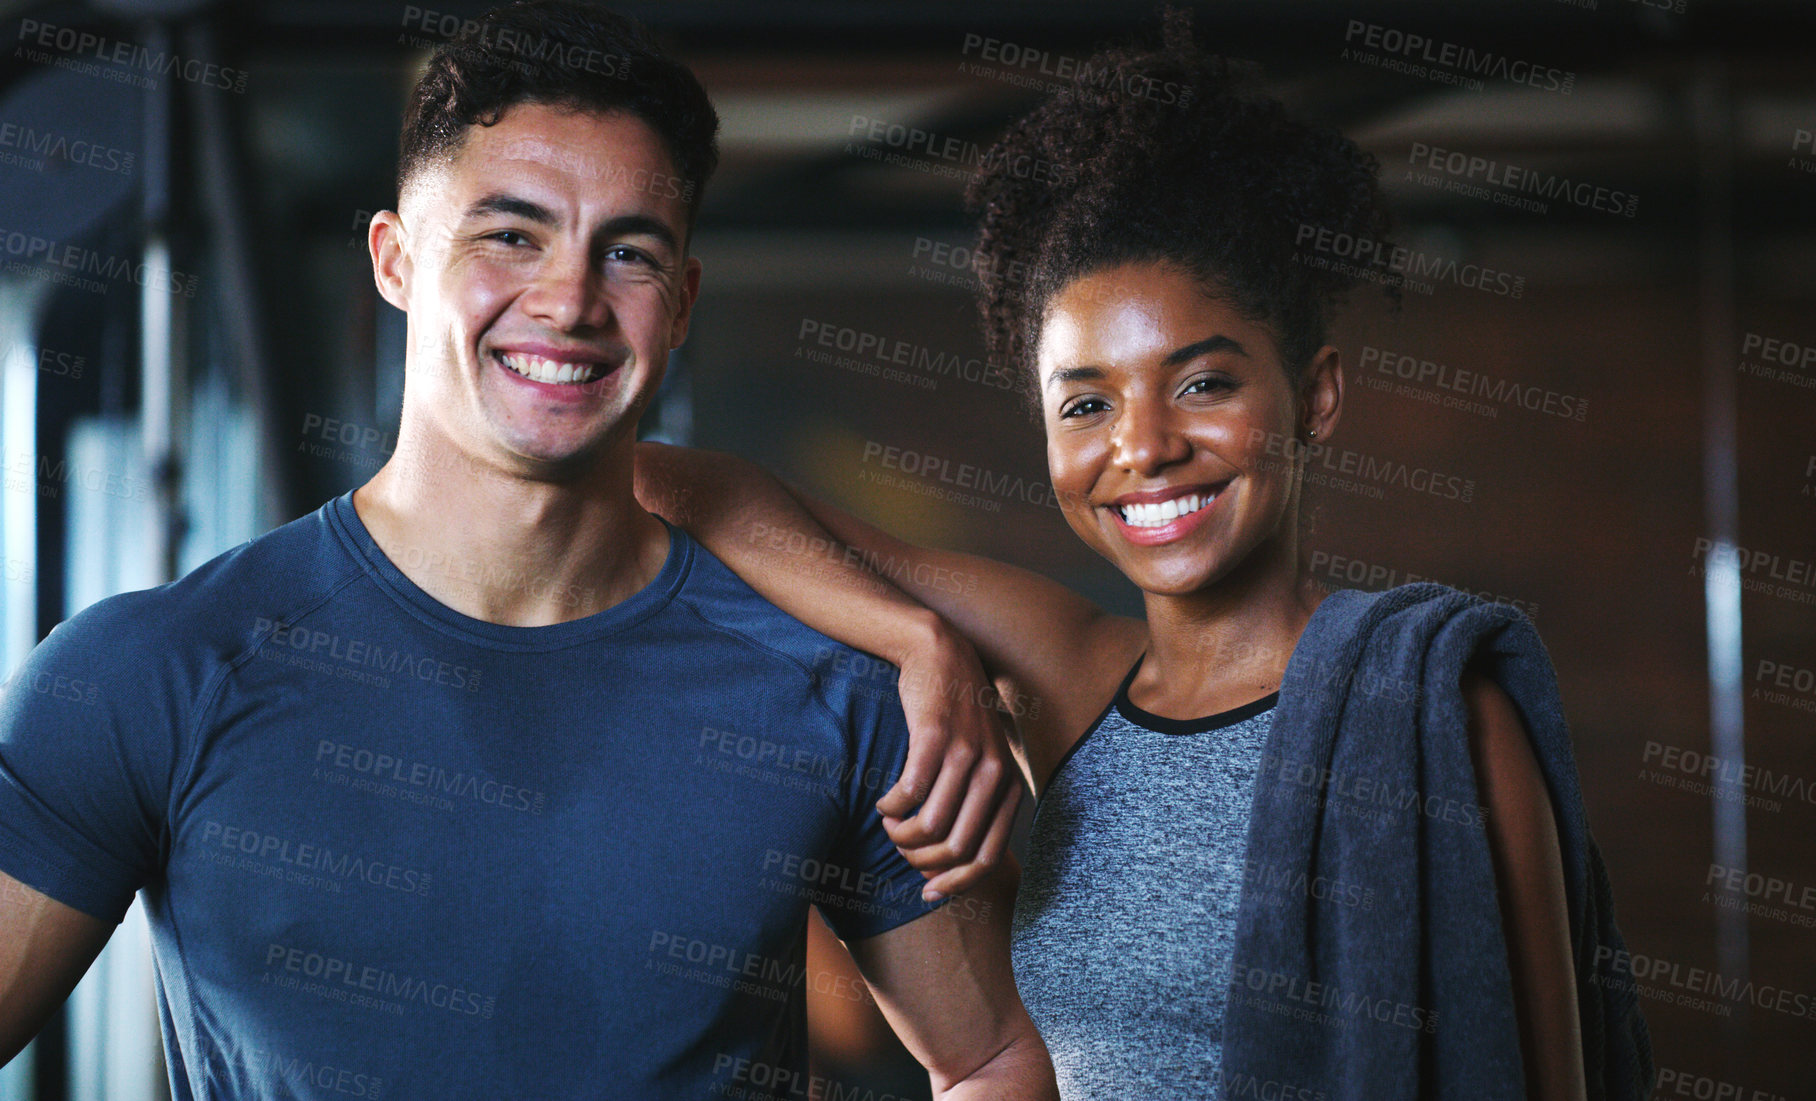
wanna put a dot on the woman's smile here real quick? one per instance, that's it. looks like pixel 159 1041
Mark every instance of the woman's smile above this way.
pixel 1154 517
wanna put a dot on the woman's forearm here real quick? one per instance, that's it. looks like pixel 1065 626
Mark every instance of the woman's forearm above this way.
pixel 1523 844
pixel 748 519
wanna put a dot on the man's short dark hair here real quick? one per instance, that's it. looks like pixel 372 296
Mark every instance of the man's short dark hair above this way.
pixel 563 53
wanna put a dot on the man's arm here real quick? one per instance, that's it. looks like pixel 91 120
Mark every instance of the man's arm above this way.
pixel 946 986
pixel 1529 870
pixel 45 947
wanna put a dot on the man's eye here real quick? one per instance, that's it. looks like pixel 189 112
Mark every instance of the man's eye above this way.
pixel 1083 407
pixel 1207 384
pixel 626 254
pixel 508 237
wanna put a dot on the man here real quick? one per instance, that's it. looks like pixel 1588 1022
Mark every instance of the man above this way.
pixel 438 791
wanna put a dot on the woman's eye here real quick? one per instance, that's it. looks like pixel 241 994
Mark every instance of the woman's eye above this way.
pixel 1083 407
pixel 1206 384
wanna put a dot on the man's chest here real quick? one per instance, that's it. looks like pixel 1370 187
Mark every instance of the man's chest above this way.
pixel 422 854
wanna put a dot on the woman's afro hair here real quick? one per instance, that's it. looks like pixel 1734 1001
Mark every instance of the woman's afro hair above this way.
pixel 1169 155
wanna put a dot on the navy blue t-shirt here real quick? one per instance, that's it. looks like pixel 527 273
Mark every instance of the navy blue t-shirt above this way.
pixel 388 850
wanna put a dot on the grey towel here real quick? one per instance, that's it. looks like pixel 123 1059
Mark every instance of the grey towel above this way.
pixel 1367 779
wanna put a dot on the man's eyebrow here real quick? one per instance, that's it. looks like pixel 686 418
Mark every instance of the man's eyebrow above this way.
pixel 625 225
pixel 639 225
pixel 1204 348
pixel 512 206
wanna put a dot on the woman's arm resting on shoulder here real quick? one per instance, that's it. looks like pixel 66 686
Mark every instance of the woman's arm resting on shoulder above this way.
pixel 749 521
pixel 1025 626
pixel 958 770
pixel 1529 871
pixel 1041 641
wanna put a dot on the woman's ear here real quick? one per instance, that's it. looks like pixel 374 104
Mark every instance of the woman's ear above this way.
pixel 1321 394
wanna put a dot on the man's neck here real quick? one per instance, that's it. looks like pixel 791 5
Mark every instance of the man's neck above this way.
pixel 511 549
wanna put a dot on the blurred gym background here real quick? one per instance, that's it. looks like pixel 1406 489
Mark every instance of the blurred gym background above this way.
pixel 1626 448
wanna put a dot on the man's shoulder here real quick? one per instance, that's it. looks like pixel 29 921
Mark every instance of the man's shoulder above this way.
pixel 147 658
pixel 223 603
pixel 725 601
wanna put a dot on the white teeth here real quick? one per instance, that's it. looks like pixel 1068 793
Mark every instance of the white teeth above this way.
pixel 1153 516
pixel 548 370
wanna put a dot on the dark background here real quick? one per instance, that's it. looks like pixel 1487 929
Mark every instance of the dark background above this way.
pixel 1664 324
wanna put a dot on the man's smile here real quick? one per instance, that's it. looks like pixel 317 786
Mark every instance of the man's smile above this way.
pixel 553 371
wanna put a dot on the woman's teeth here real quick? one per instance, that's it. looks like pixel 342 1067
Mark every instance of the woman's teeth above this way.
pixel 548 370
pixel 1152 516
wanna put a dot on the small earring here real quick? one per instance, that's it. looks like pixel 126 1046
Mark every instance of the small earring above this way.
pixel 1312 434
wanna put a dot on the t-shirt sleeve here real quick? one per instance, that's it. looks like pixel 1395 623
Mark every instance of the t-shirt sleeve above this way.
pixel 87 752
pixel 878 889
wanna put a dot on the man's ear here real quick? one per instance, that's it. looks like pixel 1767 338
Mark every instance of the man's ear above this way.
pixel 689 291
pixel 1321 393
pixel 392 267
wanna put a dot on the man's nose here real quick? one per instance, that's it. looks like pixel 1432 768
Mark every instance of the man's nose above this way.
pixel 568 292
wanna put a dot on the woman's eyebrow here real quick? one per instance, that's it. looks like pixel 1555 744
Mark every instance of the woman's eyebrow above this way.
pixel 1075 374
pixel 1204 347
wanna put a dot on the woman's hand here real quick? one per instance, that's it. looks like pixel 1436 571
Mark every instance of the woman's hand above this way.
pixel 959 771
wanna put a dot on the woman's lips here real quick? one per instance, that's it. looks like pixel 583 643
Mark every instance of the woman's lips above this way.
pixel 1150 523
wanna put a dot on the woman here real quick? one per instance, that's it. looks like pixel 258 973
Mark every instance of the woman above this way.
pixel 1288 844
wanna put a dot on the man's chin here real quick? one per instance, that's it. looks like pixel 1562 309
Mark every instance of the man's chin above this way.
pixel 566 460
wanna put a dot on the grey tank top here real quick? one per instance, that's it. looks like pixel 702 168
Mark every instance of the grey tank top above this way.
pixel 1127 912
